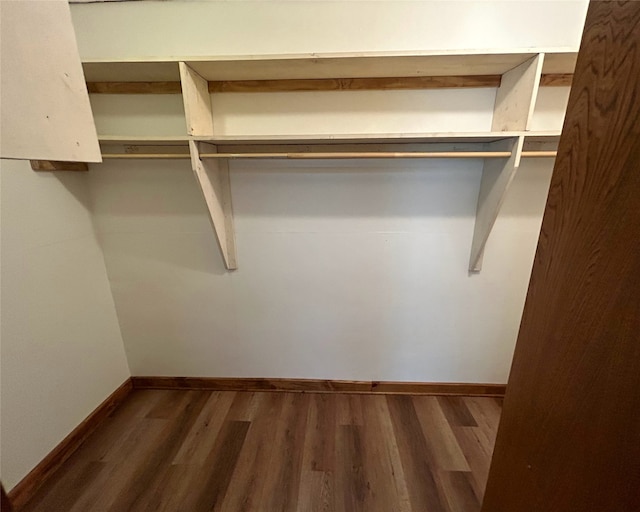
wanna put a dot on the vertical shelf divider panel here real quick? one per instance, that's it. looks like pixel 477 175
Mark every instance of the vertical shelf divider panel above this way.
pixel 212 176
pixel 516 96
pixel 197 102
pixel 512 111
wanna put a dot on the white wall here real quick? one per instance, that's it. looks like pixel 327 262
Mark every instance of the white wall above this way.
pixel 62 351
pixel 347 272
pixel 156 30
pixel 351 270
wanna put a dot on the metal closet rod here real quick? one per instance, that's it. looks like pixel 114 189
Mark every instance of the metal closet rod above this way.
pixel 335 155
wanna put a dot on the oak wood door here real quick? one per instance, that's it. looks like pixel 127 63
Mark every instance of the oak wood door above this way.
pixel 569 438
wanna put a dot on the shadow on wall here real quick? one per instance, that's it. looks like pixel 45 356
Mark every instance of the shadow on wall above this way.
pixel 428 190
pixel 152 213
pixel 74 182
pixel 130 195
pixel 380 189
pixel 155 210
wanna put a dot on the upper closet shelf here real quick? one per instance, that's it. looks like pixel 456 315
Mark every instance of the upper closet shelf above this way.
pixel 144 139
pixel 332 65
pixel 372 138
pixel 335 139
pixel 517 76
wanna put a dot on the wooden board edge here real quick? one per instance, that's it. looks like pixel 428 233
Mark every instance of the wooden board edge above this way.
pixel 355 84
pixel 323 84
pixel 174 87
pixel 319 386
pixel 28 486
pixel 556 80
pixel 54 165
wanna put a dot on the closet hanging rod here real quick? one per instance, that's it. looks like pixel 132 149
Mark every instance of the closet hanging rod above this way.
pixel 334 155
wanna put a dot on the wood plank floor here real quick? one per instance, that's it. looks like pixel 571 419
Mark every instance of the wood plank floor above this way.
pixel 171 450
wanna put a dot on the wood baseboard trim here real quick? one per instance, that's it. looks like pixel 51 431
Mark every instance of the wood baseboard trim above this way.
pixel 319 386
pixel 5 502
pixel 27 487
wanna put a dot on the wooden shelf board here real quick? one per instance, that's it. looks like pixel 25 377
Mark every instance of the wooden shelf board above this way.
pixel 163 140
pixel 352 147
pixel 389 140
pixel 382 138
pixel 551 136
pixel 323 84
pixel 559 62
pixel 331 65
pixel 143 71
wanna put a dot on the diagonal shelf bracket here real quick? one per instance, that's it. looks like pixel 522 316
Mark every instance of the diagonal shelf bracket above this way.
pixel 513 111
pixel 497 175
pixel 212 176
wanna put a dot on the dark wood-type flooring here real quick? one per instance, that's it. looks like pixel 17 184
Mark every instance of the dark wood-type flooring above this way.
pixel 171 450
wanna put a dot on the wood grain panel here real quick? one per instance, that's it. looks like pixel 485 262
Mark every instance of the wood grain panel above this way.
pixel 569 437
pixel 199 441
pixel 352 487
pixel 246 488
pixel 222 462
pixel 318 386
pixel 478 452
pixel 319 448
pixel 418 461
pixel 5 503
pixel 316 492
pixel 556 80
pixel 107 443
pixel 281 490
pixel 486 414
pixel 141 487
pixel 439 435
pixel 381 407
pixel 243 407
pixel 27 487
pixel 457 412
pixel 201 450
pixel 458 491
pixel 323 84
pixel 134 87
pixel 50 165
pixel 382 492
pixel 356 84
pixel 67 490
